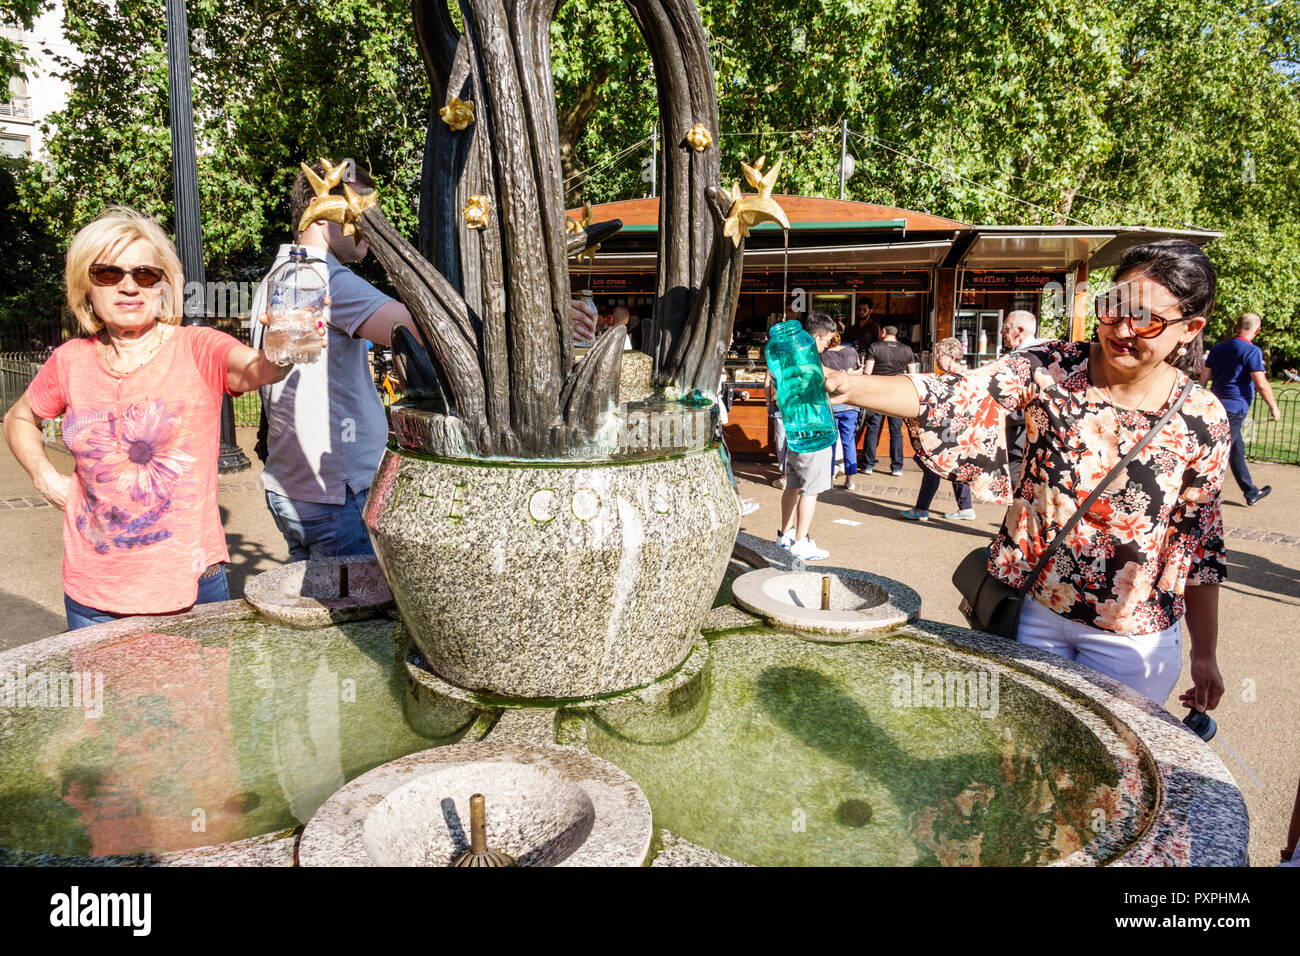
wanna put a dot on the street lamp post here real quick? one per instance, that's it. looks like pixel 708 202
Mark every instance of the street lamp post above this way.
pixel 189 227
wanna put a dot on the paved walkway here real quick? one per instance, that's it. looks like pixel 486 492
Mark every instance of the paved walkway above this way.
pixel 1259 653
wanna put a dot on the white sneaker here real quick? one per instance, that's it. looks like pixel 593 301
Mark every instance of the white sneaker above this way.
pixel 748 506
pixel 806 550
pixel 785 540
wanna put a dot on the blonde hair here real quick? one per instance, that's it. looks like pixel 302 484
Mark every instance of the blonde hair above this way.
pixel 950 347
pixel 108 229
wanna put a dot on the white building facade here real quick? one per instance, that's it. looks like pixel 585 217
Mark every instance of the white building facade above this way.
pixel 33 99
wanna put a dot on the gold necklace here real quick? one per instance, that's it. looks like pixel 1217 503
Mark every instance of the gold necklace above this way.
pixel 110 351
pixel 1154 374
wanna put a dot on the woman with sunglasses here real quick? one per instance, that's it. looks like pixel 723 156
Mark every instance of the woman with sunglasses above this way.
pixel 1150 549
pixel 141 399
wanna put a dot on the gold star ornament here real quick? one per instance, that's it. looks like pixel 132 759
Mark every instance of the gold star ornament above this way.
pixel 749 210
pixel 457 114
pixel 575 226
pixel 477 212
pixel 345 209
pixel 699 138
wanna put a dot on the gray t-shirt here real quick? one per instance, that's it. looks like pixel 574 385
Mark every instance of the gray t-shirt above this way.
pixel 327 427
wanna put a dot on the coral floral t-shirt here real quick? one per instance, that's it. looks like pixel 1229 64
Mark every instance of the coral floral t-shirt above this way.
pixel 141 521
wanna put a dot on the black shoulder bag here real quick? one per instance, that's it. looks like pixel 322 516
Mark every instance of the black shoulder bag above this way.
pixel 988 604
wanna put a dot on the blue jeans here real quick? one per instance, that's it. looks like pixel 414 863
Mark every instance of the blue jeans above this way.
pixel 314 530
pixel 930 485
pixel 213 587
pixel 873 437
pixel 847 423
pixel 1237 455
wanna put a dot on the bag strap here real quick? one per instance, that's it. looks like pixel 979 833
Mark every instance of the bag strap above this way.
pixel 1059 539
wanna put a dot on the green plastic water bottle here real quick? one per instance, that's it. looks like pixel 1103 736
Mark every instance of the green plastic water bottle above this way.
pixel 796 369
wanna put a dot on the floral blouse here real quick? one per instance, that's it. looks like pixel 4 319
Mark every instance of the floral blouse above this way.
pixel 1156 528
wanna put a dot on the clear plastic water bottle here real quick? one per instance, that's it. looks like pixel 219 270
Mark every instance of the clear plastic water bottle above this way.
pixel 296 302
pixel 796 369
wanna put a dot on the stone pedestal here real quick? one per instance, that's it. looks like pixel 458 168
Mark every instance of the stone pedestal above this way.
pixel 555 581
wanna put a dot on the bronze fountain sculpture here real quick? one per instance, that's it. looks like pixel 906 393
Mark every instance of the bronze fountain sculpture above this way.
pixel 542 540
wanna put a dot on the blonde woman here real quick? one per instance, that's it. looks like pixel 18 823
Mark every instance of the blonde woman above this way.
pixel 141 399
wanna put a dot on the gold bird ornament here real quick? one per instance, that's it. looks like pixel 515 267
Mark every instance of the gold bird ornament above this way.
pixel 457 114
pixel 344 209
pixel 750 210
pixel 574 226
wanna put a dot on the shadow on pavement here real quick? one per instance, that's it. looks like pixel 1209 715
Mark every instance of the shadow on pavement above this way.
pixel 1263 574
pixel 26 621
pixel 247 558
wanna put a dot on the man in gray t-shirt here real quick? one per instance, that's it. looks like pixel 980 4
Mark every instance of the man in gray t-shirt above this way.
pixel 326 427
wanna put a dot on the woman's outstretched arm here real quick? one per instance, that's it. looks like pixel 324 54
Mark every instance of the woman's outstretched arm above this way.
pixel 892 395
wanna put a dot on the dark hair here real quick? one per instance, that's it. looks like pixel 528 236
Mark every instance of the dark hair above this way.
pixel 303 194
pixel 818 323
pixel 1186 271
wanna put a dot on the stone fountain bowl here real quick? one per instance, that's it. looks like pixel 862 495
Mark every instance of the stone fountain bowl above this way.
pixel 860 602
pixel 553 581
pixel 546 806
pixel 320 592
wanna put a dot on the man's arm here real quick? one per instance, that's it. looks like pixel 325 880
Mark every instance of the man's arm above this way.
pixel 868 366
pixel 378 325
pixel 1266 392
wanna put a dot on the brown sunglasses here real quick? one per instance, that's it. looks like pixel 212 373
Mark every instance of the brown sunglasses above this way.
pixel 146 277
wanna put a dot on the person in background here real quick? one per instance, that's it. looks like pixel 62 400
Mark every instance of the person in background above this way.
pixel 1236 368
pixel 326 426
pixel 949 359
pixel 807 474
pixel 141 399
pixel 621 316
pixel 778 429
pixel 886 357
pixel 1019 331
pixel 865 330
pixel 844 358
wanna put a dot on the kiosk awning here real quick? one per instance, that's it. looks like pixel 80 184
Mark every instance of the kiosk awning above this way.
pixel 1049 248
pixel 1058 248
pixel 864 257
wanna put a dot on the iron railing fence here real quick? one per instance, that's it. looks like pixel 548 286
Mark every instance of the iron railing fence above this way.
pixel 17 369
pixel 1278 441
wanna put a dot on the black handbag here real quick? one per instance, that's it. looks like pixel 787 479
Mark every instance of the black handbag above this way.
pixel 994 607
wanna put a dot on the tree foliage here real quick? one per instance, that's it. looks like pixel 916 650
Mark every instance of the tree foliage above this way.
pixel 1169 113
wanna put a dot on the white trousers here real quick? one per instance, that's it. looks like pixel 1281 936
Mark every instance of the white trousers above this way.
pixel 1149 663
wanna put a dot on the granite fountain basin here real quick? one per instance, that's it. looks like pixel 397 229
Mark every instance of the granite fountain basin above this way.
pixel 214 736
pixel 553 580
pixel 546 806
pixel 207 737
